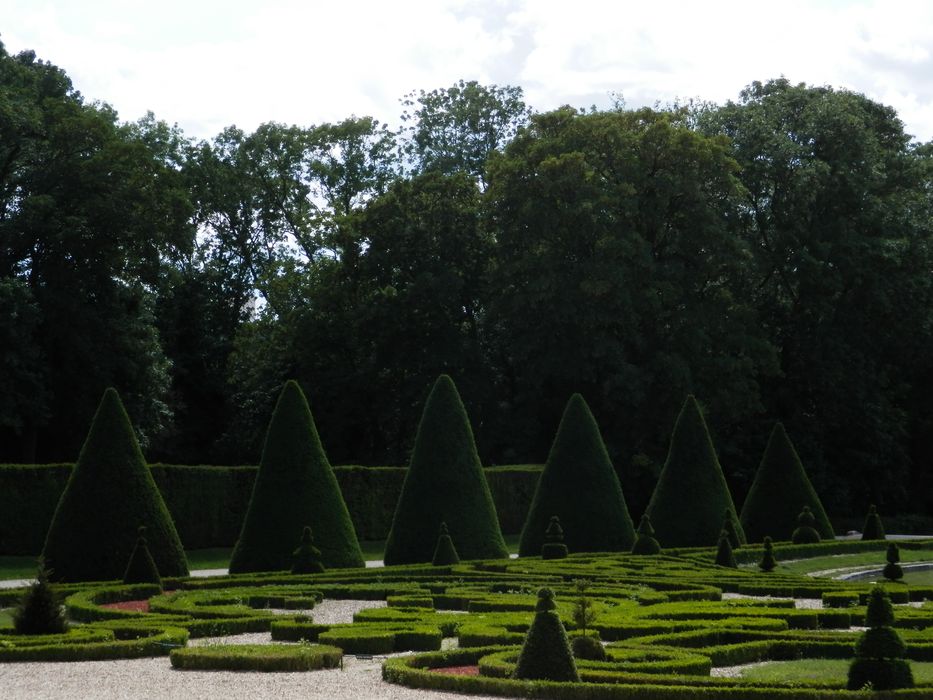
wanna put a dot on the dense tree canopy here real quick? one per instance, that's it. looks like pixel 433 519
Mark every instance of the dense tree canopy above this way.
pixel 770 255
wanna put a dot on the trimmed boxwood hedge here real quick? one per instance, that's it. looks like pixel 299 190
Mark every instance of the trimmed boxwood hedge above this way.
pixel 257 657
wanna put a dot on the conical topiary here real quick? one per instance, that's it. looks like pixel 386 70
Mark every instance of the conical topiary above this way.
pixel 879 662
pixel 730 527
pixel 554 547
pixel 307 558
pixel 780 488
pixel 109 493
pixel 806 532
pixel 580 486
pixel 873 528
pixel 141 567
pixel 768 562
pixel 39 610
pixel 546 654
pixel 445 482
pixel 893 570
pixel 645 541
pixel 295 486
pixel 724 554
pixel 687 506
pixel 445 554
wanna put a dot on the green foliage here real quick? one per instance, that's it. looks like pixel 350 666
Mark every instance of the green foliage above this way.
pixel 580 486
pixel 40 611
pixel 295 486
pixel 873 529
pixel 880 612
pixel 141 568
pixel 724 554
pixel 257 657
pixel 554 547
pixel 583 612
pixel 780 488
pixel 645 541
pixel 892 571
pixel 879 653
pixel 109 493
pixel 546 652
pixel 729 527
pixel 691 496
pixel 445 482
pixel 307 558
pixel 768 562
pixel 805 533
pixel 445 554
pixel 588 648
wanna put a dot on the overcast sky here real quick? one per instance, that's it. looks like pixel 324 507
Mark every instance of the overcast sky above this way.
pixel 206 64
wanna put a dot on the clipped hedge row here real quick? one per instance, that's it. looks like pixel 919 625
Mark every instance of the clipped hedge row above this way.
pixel 131 641
pixel 208 503
pixel 257 657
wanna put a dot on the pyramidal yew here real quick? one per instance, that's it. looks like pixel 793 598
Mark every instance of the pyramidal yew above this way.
pixel 445 554
pixel 691 496
pixel 141 567
pixel 295 486
pixel 110 492
pixel 445 482
pixel 580 486
pixel 645 541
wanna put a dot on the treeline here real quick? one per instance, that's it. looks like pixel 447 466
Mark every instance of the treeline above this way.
pixel 771 255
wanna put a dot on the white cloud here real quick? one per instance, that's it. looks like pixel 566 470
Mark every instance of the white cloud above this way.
pixel 210 64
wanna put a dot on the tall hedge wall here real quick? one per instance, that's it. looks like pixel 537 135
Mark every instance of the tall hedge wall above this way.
pixel 208 503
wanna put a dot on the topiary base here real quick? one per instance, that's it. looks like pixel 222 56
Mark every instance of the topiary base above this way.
pixel 880 674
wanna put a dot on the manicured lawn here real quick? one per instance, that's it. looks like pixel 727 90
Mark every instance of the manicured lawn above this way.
pixel 919 578
pixel 6 618
pixel 808 670
pixel 17 567
pixel 846 561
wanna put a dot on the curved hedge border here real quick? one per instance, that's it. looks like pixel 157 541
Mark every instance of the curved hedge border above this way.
pixel 257 657
pixel 130 641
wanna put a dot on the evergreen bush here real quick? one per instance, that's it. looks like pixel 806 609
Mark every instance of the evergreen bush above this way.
pixel 445 554
pixel 893 570
pixel 554 547
pixel 109 493
pixel 39 611
pixel 546 651
pixel 141 567
pixel 768 562
pixel 580 486
pixel 307 558
pixel 688 502
pixel 445 482
pixel 879 662
pixel 806 532
pixel 724 554
pixel 295 486
pixel 780 488
pixel 873 528
pixel 587 648
pixel 645 541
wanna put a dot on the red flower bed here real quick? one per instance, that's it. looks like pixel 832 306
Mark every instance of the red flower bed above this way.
pixel 458 670
pixel 133 605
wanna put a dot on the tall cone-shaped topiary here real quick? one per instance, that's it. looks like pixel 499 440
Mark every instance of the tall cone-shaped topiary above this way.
pixel 781 487
pixel 546 654
pixel 687 506
pixel 295 487
pixel 109 493
pixel 445 482
pixel 580 486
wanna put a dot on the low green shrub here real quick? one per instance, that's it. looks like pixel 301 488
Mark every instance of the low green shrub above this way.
pixel 257 657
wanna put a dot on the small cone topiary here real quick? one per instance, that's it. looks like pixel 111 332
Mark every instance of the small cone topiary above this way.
pixel 295 486
pixel 109 493
pixel 893 570
pixel 554 547
pixel 879 662
pixel 724 553
pixel 690 497
pixel 445 554
pixel 729 527
pixel 768 562
pixel 141 567
pixel 806 532
pixel 39 611
pixel 645 541
pixel 780 488
pixel 445 482
pixel 546 652
pixel 873 528
pixel 307 558
pixel 579 484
